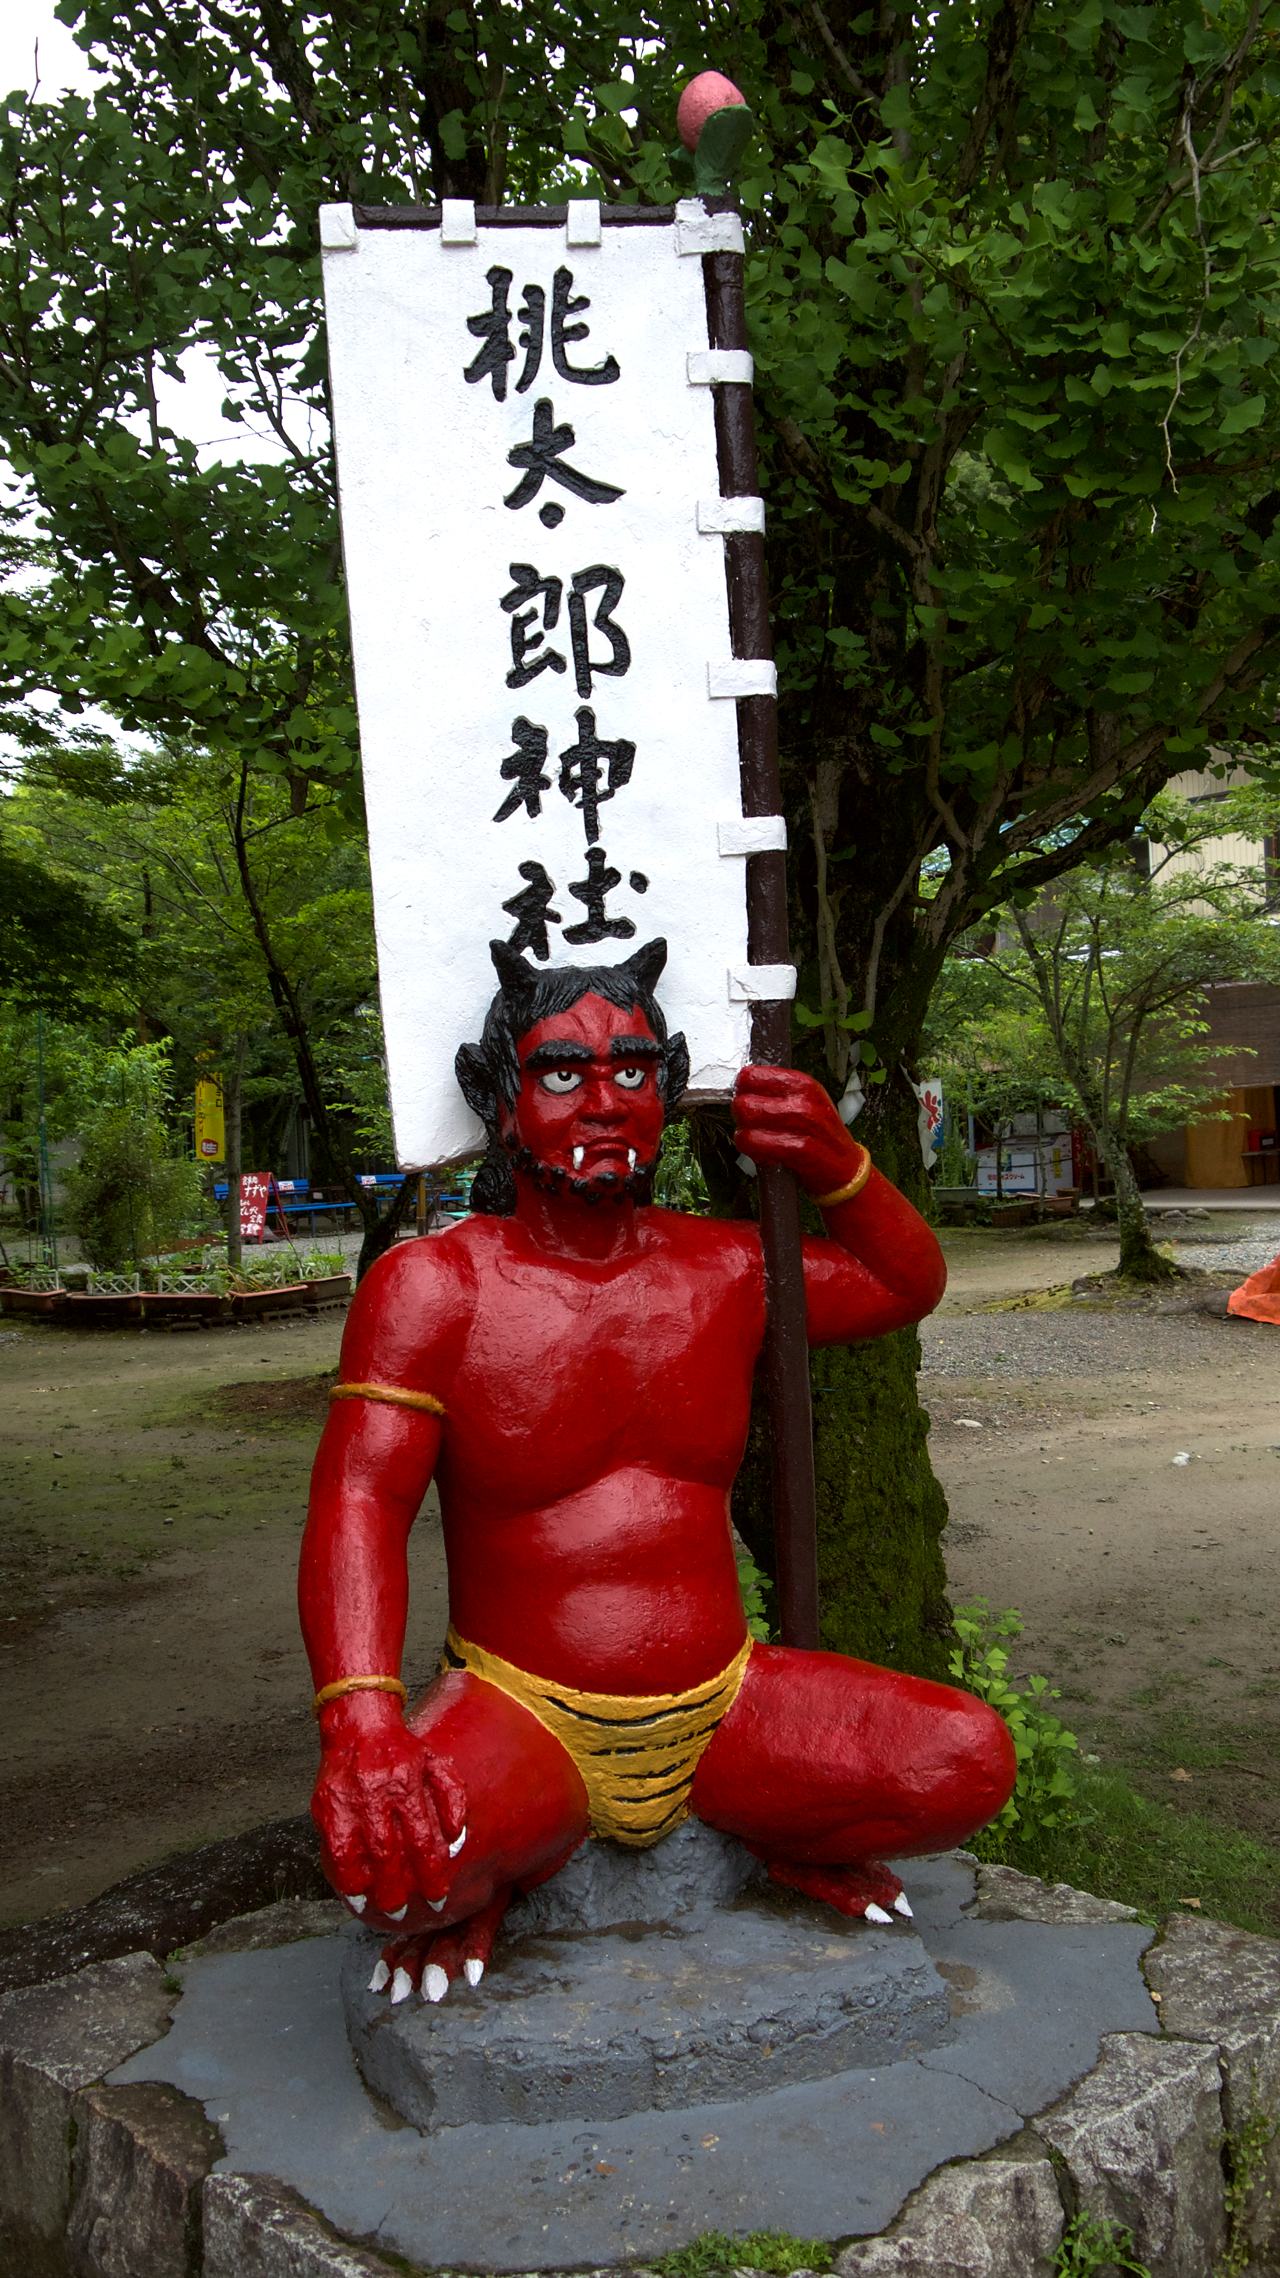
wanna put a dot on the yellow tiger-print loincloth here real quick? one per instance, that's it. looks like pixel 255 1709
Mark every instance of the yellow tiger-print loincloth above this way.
pixel 637 1752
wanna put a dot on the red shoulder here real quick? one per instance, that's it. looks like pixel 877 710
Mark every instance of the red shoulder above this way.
pixel 731 1243
pixel 411 1315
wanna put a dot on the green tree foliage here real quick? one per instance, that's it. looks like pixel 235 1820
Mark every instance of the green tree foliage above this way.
pixel 1013 291
pixel 58 949
pixel 131 1197
pixel 1098 993
pixel 152 850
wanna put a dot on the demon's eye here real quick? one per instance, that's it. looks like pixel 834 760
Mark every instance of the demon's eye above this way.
pixel 561 1079
pixel 629 1078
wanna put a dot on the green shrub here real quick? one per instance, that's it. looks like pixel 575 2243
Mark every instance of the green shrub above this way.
pixel 1092 2243
pixel 756 1590
pixel 1045 1798
pixel 678 1182
pixel 131 1196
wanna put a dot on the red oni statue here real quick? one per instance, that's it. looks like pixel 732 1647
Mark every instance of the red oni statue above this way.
pixel 574 1367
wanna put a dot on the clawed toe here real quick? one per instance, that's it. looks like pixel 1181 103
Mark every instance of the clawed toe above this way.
pixel 430 1961
pixel 865 1892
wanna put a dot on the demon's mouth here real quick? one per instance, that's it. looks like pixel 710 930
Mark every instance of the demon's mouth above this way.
pixel 633 1185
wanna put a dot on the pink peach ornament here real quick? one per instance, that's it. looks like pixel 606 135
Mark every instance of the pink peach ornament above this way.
pixel 709 92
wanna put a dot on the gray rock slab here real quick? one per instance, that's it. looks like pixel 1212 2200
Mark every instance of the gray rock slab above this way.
pixel 694 1870
pixel 279 1924
pixel 141 2155
pixel 1141 2139
pixel 995 2218
pixel 260 2039
pixel 1221 1985
pixel 1005 1895
pixel 593 2025
pixel 255 2228
pixel 1031 2002
pixel 56 2039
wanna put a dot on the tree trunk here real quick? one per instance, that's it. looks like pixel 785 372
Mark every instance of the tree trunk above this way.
pixel 882 1584
pixel 231 1099
pixel 881 1512
pixel 1140 1260
pixel 380 1235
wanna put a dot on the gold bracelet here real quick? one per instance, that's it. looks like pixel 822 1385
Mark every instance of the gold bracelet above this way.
pixel 847 1193
pixel 341 1685
pixel 392 1394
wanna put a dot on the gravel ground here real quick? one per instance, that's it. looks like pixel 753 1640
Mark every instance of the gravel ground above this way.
pixel 1084 1347
pixel 1245 1253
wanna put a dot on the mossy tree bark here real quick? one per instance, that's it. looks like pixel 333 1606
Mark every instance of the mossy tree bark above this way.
pixel 1140 1260
pixel 880 1510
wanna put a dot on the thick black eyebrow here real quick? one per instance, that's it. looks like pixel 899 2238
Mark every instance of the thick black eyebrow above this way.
pixel 556 1055
pixel 634 1048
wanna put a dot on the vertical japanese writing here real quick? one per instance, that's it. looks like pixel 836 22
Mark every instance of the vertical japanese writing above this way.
pixel 558 625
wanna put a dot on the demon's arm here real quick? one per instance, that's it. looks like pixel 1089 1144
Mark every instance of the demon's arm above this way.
pixel 387 1811
pixel 880 1267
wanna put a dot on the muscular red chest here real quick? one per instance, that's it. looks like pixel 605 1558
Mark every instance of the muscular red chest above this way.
pixel 571 1372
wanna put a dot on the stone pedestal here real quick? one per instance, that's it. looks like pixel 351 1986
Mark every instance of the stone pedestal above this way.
pixel 239 2140
pixel 648 1981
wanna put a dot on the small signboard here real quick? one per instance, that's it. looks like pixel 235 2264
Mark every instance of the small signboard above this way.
pixel 211 1127
pixel 259 1198
pixel 534 537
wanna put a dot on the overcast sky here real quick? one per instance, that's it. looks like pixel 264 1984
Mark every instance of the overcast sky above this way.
pixel 195 408
pixel 22 24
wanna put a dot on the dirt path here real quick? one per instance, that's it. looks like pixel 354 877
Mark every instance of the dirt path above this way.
pixel 153 1489
pixel 1115 1475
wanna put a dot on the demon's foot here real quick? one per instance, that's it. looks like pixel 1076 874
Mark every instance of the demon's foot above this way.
pixel 429 1963
pixel 869 1889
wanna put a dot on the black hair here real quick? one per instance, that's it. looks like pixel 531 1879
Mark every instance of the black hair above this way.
pixel 489 1072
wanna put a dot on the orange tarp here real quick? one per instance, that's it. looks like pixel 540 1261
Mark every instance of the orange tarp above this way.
pixel 1258 1298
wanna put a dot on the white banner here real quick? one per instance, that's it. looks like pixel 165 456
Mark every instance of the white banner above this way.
pixel 534 544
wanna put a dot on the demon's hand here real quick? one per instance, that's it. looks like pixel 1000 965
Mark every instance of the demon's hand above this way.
pixel 783 1118
pixel 391 1815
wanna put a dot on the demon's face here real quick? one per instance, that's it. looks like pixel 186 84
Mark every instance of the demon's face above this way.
pixel 589 1112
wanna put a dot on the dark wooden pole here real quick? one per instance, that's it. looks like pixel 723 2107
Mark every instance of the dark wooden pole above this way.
pixel 768 943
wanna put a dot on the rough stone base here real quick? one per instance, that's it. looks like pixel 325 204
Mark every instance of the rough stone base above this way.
pixel 111 2181
pixel 647 1982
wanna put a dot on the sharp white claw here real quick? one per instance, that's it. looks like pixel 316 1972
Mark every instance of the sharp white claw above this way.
pixel 877 1913
pixel 436 1904
pixel 381 1978
pixel 357 1900
pixel 400 1913
pixel 631 1158
pixel 902 1905
pixel 577 1158
pixel 435 1982
pixel 473 1969
pixel 401 1986
pixel 457 1843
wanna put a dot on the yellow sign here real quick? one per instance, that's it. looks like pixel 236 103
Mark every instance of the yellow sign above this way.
pixel 211 1128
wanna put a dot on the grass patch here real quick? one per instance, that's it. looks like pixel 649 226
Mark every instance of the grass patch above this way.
pixel 1055 1300
pixel 715 2255
pixel 1155 1858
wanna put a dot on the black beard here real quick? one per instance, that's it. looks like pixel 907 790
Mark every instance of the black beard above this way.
pixel 636 1186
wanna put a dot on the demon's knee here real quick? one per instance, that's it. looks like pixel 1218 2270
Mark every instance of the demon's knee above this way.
pixel 974 1768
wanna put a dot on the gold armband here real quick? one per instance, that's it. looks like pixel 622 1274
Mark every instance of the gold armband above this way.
pixel 392 1394
pixel 846 1193
pixel 341 1685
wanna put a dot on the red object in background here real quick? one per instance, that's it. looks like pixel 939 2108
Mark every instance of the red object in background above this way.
pixel 1258 1298
pixel 591 1361
pixel 258 1194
